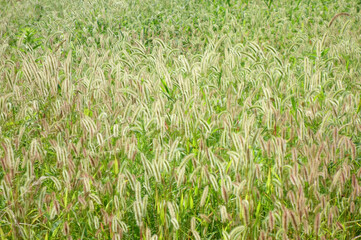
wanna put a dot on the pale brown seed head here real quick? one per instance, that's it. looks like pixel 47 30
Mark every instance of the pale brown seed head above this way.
pixel 66 228
pixel 224 194
pixel 340 226
pixel 352 207
pixel 271 221
pixel 293 219
pixel 317 223
pixel 262 236
pixel 285 220
pixel 330 219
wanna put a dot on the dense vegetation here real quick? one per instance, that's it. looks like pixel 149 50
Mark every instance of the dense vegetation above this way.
pixel 180 119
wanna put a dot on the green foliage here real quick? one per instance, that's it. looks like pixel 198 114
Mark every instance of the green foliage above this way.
pixel 180 119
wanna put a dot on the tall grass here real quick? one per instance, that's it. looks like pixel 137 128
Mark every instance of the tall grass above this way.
pixel 180 119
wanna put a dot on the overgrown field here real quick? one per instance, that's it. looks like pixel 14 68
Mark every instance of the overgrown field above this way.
pixel 180 119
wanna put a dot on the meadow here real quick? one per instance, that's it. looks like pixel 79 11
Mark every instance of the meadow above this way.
pixel 180 119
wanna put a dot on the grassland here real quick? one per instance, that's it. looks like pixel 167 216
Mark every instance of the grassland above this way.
pixel 180 119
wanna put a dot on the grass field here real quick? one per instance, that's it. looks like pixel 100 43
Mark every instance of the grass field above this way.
pixel 180 119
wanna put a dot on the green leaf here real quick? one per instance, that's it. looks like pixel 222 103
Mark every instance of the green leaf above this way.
pixel 190 201
pixel 115 166
pixel 2 234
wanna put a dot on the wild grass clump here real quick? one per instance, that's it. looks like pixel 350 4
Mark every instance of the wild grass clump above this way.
pixel 180 119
